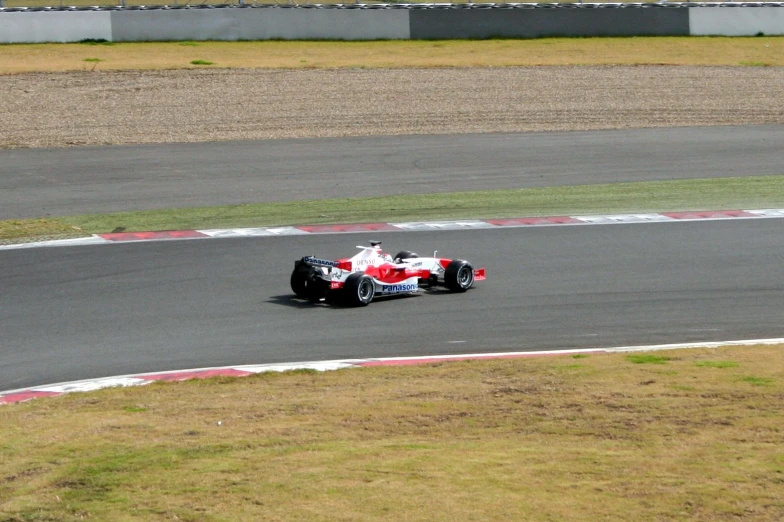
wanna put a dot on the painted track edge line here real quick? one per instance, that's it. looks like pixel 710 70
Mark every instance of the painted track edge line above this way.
pixel 53 390
pixel 717 344
pixel 79 241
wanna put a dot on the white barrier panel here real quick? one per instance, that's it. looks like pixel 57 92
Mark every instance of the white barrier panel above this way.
pixel 55 26
pixel 736 21
pixel 324 24
pixel 176 25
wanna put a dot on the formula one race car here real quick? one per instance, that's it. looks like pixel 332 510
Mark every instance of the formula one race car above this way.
pixel 371 273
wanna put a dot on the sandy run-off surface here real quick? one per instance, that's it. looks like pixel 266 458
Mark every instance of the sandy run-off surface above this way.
pixel 96 108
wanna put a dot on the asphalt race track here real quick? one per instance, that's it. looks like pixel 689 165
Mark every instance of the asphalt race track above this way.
pixel 84 312
pixel 83 180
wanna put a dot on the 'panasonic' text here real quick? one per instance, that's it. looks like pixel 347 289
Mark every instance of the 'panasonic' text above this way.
pixel 319 262
pixel 396 289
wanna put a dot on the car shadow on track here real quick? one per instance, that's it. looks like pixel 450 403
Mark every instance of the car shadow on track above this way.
pixel 293 301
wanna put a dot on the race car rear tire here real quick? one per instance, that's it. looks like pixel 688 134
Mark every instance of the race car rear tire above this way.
pixel 405 254
pixel 299 282
pixel 358 290
pixel 459 275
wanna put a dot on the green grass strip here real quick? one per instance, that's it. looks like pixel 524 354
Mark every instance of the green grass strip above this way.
pixel 658 196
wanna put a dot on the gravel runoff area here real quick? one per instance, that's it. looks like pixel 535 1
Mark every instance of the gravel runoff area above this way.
pixel 192 105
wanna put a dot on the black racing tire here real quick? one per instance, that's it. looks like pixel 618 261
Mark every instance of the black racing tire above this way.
pixel 358 290
pixel 299 282
pixel 405 254
pixel 459 275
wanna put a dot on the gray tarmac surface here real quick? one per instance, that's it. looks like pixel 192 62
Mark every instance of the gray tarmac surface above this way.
pixel 55 182
pixel 86 312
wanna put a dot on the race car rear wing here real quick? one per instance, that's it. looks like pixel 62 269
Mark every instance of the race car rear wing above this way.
pixel 315 261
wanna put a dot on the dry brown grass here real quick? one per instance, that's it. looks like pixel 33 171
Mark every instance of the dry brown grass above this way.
pixel 42 227
pixel 680 435
pixel 762 51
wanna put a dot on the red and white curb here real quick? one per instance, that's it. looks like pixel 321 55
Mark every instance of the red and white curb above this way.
pixel 53 390
pixel 414 226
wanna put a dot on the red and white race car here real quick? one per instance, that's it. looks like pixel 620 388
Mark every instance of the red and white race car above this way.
pixel 356 281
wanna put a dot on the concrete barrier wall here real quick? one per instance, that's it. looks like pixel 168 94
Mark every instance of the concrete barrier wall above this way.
pixel 737 21
pixel 382 24
pixel 160 25
pixel 259 24
pixel 57 26
pixel 325 24
pixel 533 23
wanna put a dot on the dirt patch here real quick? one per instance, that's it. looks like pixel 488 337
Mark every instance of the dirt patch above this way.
pixel 102 108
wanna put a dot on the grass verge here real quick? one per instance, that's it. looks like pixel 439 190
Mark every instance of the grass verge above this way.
pixel 658 196
pixel 694 436
pixel 660 50
pixel 37 228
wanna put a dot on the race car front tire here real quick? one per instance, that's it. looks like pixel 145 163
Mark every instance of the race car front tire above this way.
pixel 358 290
pixel 459 275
